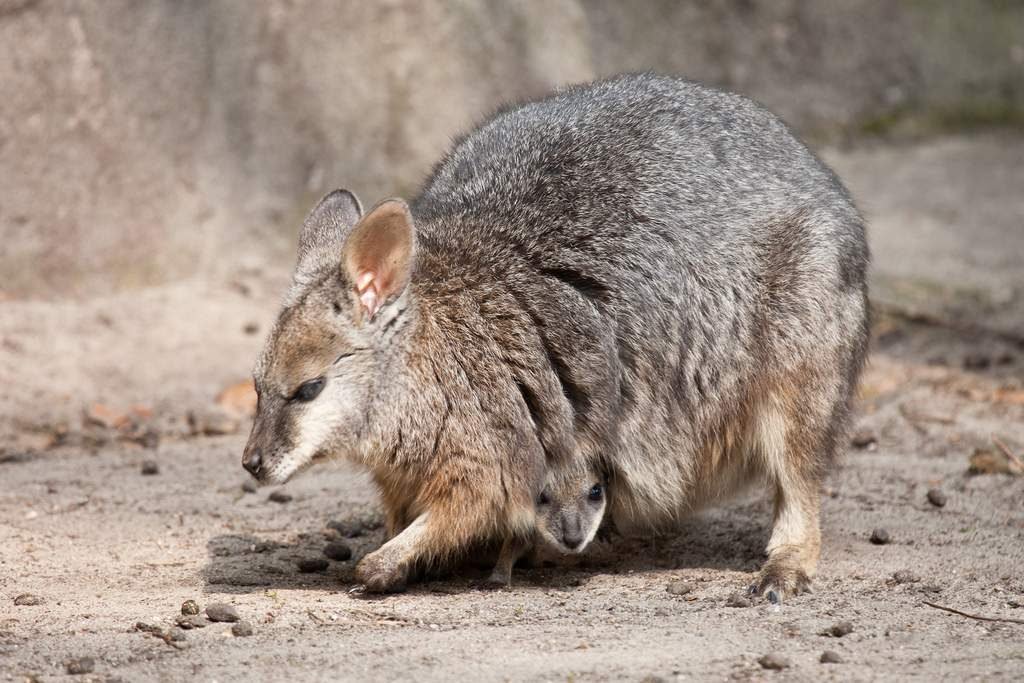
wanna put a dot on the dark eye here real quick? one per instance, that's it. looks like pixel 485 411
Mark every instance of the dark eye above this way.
pixel 543 498
pixel 307 391
pixel 596 492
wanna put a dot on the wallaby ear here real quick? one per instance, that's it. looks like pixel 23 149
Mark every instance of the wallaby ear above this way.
pixel 378 253
pixel 324 230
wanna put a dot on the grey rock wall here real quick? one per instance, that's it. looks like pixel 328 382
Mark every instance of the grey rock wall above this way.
pixel 144 142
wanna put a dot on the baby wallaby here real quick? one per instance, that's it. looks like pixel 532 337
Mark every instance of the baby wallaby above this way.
pixel 642 268
pixel 570 509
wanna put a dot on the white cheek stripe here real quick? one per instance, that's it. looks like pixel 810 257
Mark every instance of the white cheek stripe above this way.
pixel 314 430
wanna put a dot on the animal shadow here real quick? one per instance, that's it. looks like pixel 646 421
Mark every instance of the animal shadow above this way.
pixel 728 539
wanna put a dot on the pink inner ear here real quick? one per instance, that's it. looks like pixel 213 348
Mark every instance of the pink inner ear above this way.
pixel 366 286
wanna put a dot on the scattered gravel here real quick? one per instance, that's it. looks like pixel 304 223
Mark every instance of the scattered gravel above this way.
pixel 80 666
pixel 192 621
pixel 249 486
pixel 279 497
pixel 774 662
pixel 905 576
pixel 357 525
pixel 830 657
pixel 28 600
pixel 220 611
pixel 310 565
pixel 880 536
pixel 738 600
pixel 338 551
pixel 150 468
pixel 242 629
pixel 839 629
pixel 937 498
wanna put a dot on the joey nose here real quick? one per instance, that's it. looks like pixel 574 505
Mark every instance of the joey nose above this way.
pixel 253 462
pixel 572 533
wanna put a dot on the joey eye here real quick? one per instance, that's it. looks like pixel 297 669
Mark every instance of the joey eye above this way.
pixel 543 498
pixel 307 391
pixel 596 493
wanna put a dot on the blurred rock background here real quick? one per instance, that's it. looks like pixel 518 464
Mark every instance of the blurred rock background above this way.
pixel 156 158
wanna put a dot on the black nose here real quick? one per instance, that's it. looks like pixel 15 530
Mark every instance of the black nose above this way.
pixel 252 462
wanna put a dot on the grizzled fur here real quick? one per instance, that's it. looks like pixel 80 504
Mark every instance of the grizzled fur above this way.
pixel 643 272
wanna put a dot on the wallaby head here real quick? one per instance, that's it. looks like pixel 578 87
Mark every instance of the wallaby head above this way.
pixel 327 353
pixel 571 507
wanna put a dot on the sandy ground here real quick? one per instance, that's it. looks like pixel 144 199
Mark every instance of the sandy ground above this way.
pixel 103 547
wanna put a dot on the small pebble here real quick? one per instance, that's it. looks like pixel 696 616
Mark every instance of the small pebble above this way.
pixel 356 526
pixel 774 662
pixel 310 565
pixel 679 588
pixel 880 536
pixel 251 328
pixel 338 551
pixel 28 600
pixel 839 629
pixel 191 621
pixel 150 467
pixel 242 629
pixel 80 666
pixel 977 361
pixel 175 635
pixel 864 439
pixel 189 607
pixel 905 576
pixel 937 498
pixel 738 600
pixel 830 657
pixel 220 611
pixel 249 486
pixel 280 497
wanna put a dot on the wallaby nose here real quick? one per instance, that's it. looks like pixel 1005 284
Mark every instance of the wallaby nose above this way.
pixel 253 462
pixel 572 533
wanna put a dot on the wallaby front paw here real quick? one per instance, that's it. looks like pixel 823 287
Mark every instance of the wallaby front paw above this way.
pixel 380 572
pixel 779 580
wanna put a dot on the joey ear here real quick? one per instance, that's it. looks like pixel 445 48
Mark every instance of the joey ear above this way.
pixel 324 230
pixel 378 253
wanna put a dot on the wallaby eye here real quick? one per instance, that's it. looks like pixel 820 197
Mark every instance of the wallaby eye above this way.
pixel 543 498
pixel 307 391
pixel 596 492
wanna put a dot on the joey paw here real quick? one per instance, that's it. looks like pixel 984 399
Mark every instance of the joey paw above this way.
pixel 497 581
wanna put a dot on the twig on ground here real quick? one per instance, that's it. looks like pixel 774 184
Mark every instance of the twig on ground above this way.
pixel 1007 452
pixel 915 419
pixel 973 616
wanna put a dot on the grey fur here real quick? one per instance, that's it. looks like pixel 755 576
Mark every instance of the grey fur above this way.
pixel 632 273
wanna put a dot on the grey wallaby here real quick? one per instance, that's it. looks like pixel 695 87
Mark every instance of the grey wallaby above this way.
pixel 642 273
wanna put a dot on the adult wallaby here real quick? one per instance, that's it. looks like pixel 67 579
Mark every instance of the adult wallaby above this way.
pixel 643 272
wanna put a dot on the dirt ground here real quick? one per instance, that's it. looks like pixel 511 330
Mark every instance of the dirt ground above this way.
pixel 103 547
